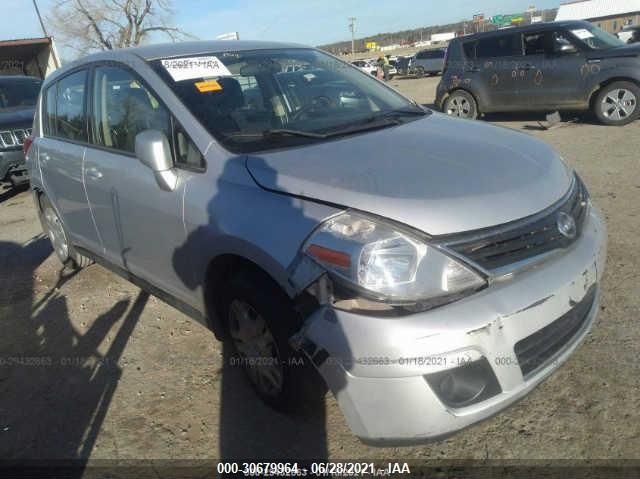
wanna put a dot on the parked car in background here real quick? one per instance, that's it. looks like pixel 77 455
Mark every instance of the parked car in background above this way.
pixel 569 65
pixel 428 62
pixel 18 96
pixel 365 66
pixel 630 34
pixel 319 236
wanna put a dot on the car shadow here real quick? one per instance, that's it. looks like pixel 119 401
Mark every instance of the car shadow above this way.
pixel 250 430
pixel 55 383
pixel 7 191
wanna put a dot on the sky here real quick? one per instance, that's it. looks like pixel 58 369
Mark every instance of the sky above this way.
pixel 311 22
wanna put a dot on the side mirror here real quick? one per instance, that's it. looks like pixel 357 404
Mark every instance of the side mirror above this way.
pixel 568 49
pixel 153 151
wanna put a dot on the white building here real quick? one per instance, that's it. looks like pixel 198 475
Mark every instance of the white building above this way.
pixel 610 15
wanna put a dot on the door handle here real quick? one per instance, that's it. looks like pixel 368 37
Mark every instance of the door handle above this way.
pixel 93 173
pixel 526 66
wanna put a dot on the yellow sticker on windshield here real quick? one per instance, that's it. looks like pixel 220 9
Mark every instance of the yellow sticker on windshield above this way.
pixel 208 85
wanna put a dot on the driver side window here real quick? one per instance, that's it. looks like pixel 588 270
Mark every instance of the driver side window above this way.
pixel 122 108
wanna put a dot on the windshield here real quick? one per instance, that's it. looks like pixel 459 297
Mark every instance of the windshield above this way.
pixel 595 38
pixel 301 95
pixel 18 93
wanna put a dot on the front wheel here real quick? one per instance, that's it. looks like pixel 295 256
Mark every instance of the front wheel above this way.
pixel 260 319
pixel 461 104
pixel 617 104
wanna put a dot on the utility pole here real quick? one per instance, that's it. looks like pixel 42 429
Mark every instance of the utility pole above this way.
pixel 352 27
pixel 44 30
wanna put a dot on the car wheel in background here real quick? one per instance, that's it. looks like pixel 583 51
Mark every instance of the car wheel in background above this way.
pixel 65 252
pixel 617 103
pixel 419 71
pixel 260 319
pixel 461 104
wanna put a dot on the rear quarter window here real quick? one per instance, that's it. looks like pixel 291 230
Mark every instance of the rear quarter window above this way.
pixel 469 50
pixel 65 114
pixel 499 46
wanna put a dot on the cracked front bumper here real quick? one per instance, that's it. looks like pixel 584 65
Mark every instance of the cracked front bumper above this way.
pixel 377 367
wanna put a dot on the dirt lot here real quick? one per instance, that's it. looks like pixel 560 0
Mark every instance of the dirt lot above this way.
pixel 94 368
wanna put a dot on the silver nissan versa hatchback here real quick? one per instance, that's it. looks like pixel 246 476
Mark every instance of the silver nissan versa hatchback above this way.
pixel 429 270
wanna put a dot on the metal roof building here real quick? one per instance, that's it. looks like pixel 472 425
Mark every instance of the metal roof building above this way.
pixel 595 9
pixel 615 13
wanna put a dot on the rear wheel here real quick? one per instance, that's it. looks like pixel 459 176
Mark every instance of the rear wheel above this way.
pixel 65 252
pixel 617 103
pixel 461 104
pixel 260 319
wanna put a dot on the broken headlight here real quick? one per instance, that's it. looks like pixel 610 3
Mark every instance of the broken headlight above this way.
pixel 383 262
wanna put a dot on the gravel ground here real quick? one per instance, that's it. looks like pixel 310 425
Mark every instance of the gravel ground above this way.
pixel 94 368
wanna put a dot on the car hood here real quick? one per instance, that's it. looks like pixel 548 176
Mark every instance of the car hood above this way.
pixel 17 117
pixel 632 49
pixel 438 174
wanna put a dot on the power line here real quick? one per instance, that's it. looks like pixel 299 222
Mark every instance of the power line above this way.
pixel 44 30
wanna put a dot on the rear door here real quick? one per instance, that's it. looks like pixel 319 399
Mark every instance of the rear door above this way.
pixel 61 156
pixel 556 70
pixel 498 68
pixel 141 224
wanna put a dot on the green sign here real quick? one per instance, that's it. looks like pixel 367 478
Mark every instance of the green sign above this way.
pixel 507 19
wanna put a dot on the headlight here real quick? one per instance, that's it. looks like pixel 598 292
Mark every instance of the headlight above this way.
pixel 387 263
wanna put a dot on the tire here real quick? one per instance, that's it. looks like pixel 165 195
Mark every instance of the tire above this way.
pixel 420 72
pixel 283 378
pixel 65 252
pixel 461 104
pixel 617 104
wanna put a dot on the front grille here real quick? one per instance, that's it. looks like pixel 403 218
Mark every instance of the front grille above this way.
pixel 537 350
pixel 525 239
pixel 16 137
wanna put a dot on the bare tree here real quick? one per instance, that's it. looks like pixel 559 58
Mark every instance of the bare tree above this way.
pixel 89 25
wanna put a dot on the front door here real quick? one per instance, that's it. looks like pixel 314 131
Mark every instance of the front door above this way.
pixel 141 224
pixel 557 70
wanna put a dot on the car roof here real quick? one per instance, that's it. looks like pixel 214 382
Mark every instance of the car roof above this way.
pixel 18 77
pixel 173 50
pixel 527 28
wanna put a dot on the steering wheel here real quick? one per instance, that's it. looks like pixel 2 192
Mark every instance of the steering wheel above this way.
pixel 320 102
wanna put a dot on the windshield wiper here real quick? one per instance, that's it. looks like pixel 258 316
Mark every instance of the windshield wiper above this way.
pixel 275 133
pixel 380 120
pixel 371 123
pixel 400 112
pixel 289 132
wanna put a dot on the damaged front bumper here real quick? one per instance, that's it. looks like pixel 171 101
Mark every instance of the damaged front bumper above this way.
pixel 12 166
pixel 424 376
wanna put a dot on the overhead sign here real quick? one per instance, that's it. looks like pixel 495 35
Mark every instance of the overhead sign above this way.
pixel 507 19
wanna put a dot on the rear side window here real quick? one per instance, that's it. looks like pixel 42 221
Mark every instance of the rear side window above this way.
pixel 65 108
pixel 500 46
pixel 469 50
pixel 122 108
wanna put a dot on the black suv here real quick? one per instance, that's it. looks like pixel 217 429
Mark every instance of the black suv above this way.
pixel 18 97
pixel 569 65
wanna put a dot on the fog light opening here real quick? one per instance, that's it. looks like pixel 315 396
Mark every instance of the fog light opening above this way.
pixel 461 388
pixel 465 385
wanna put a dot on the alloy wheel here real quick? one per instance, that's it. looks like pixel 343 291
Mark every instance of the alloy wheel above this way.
pixel 256 347
pixel 459 106
pixel 618 104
